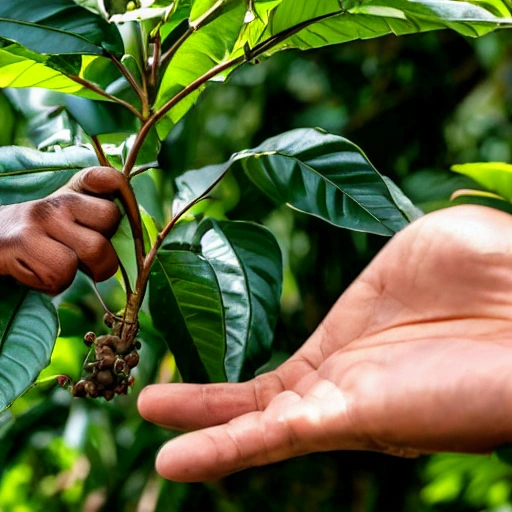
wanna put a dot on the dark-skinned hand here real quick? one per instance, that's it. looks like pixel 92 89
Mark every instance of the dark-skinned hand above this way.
pixel 44 242
pixel 415 357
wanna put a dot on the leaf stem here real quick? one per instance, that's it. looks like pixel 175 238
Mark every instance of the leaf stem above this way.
pixel 126 279
pixel 142 94
pixel 148 262
pixel 101 92
pixel 155 64
pixel 102 158
pixel 143 168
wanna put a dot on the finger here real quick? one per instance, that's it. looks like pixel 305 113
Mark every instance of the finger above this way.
pixel 102 181
pixel 97 214
pixel 96 255
pixel 46 265
pixel 193 406
pixel 254 439
pixel 107 182
pixel 291 425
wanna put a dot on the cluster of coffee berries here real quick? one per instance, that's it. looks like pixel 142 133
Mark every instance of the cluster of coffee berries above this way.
pixel 109 372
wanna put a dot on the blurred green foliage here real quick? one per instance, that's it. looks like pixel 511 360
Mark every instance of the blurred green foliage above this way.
pixel 416 105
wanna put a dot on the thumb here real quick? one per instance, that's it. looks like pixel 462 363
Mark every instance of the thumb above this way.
pixel 101 181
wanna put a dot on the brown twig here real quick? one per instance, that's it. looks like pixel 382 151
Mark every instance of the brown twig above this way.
pixel 157 47
pixel 101 92
pixel 143 168
pixel 102 158
pixel 135 299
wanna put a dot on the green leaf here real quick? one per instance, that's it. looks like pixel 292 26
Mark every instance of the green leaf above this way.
pixel 124 246
pixel 22 71
pixel 247 262
pixel 326 176
pixel 318 24
pixel 186 307
pixel 205 48
pixel 316 173
pixel 28 330
pixel 27 174
pixel 58 27
pixel 221 30
pixel 98 117
pixel 494 176
pixel 20 68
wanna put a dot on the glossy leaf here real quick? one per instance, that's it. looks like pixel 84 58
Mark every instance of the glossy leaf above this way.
pixel 24 70
pixel 234 292
pixel 234 28
pixel 27 174
pixel 21 68
pixel 494 176
pixel 329 22
pixel 186 307
pixel 326 176
pixel 99 117
pixel 320 174
pixel 202 50
pixel 28 329
pixel 57 27
pixel 247 262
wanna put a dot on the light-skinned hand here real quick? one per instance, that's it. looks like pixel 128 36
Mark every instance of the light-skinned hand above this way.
pixel 415 357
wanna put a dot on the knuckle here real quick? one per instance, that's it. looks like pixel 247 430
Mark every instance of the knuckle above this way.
pixel 57 278
pixel 50 207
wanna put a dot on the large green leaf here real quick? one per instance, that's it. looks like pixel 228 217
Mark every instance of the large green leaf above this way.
pixel 247 262
pixel 57 27
pixel 234 294
pixel 28 330
pixel 205 48
pixel 186 307
pixel 317 173
pixel 317 24
pixel 27 174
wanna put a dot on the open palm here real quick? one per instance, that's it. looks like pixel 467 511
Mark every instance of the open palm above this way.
pixel 415 357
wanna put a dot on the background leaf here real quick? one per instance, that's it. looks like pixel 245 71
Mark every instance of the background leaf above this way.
pixel 57 27
pixel 28 329
pixel 494 176
pixel 27 174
